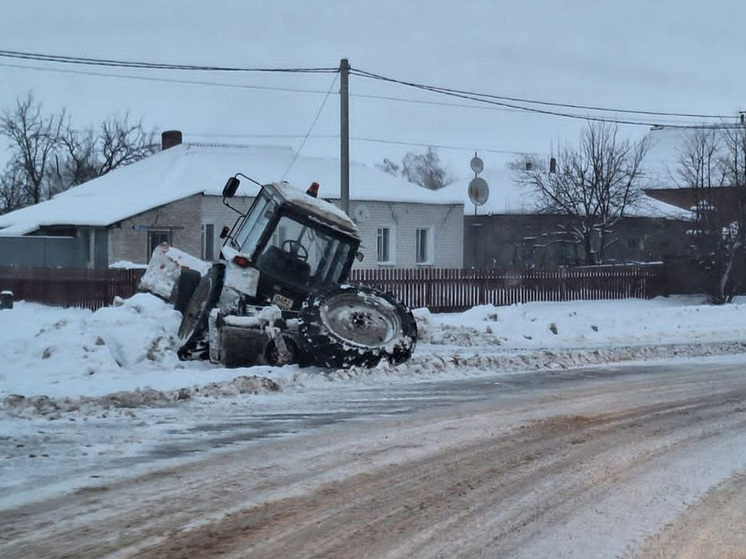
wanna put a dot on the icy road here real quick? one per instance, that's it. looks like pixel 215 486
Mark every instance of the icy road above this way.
pixel 620 461
pixel 578 429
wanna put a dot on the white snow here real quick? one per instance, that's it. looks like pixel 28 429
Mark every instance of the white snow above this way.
pixel 132 344
pixel 115 375
pixel 195 169
pixel 315 205
pixel 507 197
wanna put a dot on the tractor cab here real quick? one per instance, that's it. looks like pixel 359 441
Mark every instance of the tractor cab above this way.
pixel 295 242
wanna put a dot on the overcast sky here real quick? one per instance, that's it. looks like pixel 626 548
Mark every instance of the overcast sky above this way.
pixel 653 55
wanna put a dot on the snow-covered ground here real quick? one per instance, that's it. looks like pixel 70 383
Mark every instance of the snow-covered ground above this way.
pixel 80 388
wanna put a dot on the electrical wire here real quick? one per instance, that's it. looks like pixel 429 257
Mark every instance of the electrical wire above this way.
pixel 152 65
pixel 534 102
pixel 496 100
pixel 308 133
pixel 258 87
pixel 168 80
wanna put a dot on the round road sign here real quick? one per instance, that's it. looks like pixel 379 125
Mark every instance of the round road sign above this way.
pixel 479 192
pixel 477 165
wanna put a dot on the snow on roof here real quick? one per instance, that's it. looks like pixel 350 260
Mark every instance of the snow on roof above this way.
pixel 665 149
pixel 662 157
pixel 314 205
pixel 189 169
pixel 507 197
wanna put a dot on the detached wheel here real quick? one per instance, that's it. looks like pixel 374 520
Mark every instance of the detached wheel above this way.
pixel 356 326
pixel 192 331
pixel 184 288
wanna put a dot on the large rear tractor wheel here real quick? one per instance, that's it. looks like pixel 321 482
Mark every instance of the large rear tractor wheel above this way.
pixel 356 326
pixel 193 328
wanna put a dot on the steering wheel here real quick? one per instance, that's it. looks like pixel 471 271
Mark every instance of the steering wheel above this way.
pixel 296 249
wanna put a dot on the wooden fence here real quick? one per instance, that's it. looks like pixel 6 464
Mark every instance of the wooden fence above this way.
pixel 440 290
pixel 69 287
pixel 451 290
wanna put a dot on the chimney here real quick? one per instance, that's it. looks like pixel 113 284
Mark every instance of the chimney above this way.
pixel 170 138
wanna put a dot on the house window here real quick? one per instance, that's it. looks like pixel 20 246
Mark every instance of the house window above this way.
pixel 156 237
pixel 424 246
pixel 208 242
pixel 385 253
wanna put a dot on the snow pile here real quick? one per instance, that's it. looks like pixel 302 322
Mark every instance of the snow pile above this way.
pixel 81 351
pixel 680 319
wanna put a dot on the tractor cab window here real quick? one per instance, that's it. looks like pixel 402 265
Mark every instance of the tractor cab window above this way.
pixel 254 224
pixel 302 255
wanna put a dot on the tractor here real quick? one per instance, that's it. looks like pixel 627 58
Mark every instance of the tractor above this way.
pixel 279 293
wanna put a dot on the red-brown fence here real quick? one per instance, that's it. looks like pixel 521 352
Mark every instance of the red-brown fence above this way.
pixel 439 289
pixel 69 287
pixel 449 290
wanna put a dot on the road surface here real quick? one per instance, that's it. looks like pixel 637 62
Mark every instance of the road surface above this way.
pixel 623 461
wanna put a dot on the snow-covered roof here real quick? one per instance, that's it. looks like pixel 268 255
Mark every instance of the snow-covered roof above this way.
pixel 662 157
pixel 189 169
pixel 507 197
pixel 665 148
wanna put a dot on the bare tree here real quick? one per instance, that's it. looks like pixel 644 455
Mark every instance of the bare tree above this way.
pixel 75 159
pixel 48 155
pixel 423 169
pixel 708 160
pixel 12 191
pixel 122 143
pixel 388 167
pixel 592 185
pixel 34 137
pixel 87 154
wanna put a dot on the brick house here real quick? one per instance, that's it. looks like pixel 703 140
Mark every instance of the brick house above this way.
pixel 175 196
pixel 508 233
pixel 668 145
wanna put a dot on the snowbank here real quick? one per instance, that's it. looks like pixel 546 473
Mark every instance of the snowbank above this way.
pixel 82 356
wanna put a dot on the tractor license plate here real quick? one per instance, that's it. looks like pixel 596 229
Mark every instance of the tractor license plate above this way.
pixel 282 302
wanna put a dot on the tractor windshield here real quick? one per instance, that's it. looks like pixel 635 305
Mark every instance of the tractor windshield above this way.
pixel 254 224
pixel 304 256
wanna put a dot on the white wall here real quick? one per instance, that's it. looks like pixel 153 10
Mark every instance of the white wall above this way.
pixel 445 221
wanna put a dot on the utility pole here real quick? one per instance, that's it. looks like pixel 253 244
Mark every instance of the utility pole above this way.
pixel 344 134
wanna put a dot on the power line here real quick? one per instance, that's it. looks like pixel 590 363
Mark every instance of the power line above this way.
pixel 503 102
pixel 257 87
pixel 268 88
pixel 495 102
pixel 168 80
pixel 310 129
pixel 152 65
